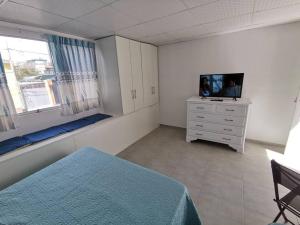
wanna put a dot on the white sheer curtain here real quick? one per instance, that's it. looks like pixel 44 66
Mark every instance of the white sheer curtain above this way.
pixel 7 108
pixel 76 74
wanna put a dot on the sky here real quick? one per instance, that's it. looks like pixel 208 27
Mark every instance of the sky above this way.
pixel 24 49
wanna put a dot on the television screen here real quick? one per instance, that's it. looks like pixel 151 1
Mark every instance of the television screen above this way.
pixel 221 85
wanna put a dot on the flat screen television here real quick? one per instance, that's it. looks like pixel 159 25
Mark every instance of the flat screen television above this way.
pixel 221 85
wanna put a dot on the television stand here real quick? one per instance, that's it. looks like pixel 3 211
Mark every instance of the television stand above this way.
pixel 218 121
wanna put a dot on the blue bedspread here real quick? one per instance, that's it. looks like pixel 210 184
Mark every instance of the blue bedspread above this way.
pixel 91 187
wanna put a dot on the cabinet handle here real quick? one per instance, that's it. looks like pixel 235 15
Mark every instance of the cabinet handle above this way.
pixel 198 125
pixel 228 120
pixel 200 107
pixel 153 90
pixel 229 110
pixel 227 139
pixel 201 117
pixel 227 129
pixel 199 134
pixel 132 94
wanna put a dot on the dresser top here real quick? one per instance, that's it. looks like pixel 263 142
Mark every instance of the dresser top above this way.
pixel 229 101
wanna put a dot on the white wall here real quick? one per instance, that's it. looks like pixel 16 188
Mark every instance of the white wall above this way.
pixel 270 59
pixel 112 136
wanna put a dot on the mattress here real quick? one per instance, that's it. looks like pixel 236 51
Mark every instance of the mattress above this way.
pixel 91 187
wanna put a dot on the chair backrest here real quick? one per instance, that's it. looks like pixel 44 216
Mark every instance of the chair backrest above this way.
pixel 284 176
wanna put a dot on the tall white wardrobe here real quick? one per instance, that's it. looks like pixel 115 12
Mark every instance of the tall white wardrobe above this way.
pixel 129 73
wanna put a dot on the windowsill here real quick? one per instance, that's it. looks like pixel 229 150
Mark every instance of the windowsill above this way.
pixel 23 150
pixel 52 108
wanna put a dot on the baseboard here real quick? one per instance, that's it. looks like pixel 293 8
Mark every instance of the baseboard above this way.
pixel 264 142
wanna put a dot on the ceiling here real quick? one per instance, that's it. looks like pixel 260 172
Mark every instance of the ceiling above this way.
pixel 154 21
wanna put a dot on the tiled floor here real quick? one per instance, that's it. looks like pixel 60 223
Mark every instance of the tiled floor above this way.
pixel 228 188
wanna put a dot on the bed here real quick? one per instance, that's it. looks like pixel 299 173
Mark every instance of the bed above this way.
pixel 91 187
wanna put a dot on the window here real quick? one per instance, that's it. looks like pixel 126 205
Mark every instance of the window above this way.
pixel 29 72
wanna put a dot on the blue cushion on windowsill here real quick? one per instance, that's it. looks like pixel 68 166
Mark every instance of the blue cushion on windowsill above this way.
pixel 12 144
pixel 44 134
pixel 28 139
pixel 74 125
pixel 97 117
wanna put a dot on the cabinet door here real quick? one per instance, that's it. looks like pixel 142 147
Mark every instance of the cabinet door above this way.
pixel 137 76
pixel 155 96
pixel 123 54
pixel 147 68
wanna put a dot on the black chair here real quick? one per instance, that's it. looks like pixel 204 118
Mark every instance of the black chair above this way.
pixel 290 179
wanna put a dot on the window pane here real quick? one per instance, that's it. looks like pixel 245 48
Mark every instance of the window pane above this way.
pixel 29 72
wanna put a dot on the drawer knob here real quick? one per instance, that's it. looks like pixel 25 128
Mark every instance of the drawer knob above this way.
pixel 228 120
pixel 229 110
pixel 227 129
pixel 226 139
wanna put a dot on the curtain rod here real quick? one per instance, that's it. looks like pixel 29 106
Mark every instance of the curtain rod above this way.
pixel 39 31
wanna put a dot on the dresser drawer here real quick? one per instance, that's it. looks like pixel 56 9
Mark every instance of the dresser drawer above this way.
pixel 231 110
pixel 218 128
pixel 201 107
pixel 223 138
pixel 230 139
pixel 221 119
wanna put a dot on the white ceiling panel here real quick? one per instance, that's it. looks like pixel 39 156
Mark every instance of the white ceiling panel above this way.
pixel 136 31
pixel 13 12
pixel 145 10
pixel 279 15
pixel 158 39
pixel 194 3
pixel 222 26
pixel 108 18
pixel 222 10
pixel 155 21
pixel 158 26
pixel 67 8
pixel 82 29
pixel 261 5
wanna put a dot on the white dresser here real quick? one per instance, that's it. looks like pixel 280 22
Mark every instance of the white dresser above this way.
pixel 223 122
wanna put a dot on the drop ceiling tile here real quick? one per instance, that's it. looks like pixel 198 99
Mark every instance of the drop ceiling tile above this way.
pixel 17 13
pixel 108 18
pixel 145 10
pixel 83 30
pixel 221 10
pixel 158 26
pixel 67 8
pixel 158 39
pixel 279 15
pixel 194 3
pixel 174 22
pixel 136 31
pixel 273 4
pixel 228 25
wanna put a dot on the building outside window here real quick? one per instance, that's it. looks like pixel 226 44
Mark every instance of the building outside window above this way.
pixel 29 73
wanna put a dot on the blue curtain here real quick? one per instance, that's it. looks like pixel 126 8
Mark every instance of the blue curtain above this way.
pixel 76 74
pixel 7 108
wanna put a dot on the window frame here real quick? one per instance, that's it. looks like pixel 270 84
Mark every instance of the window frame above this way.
pixel 34 37
pixel 50 116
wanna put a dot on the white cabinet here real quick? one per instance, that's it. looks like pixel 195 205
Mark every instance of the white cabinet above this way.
pixel 137 74
pixel 130 71
pixel 124 63
pixel 150 73
pixel 129 74
pixel 224 122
